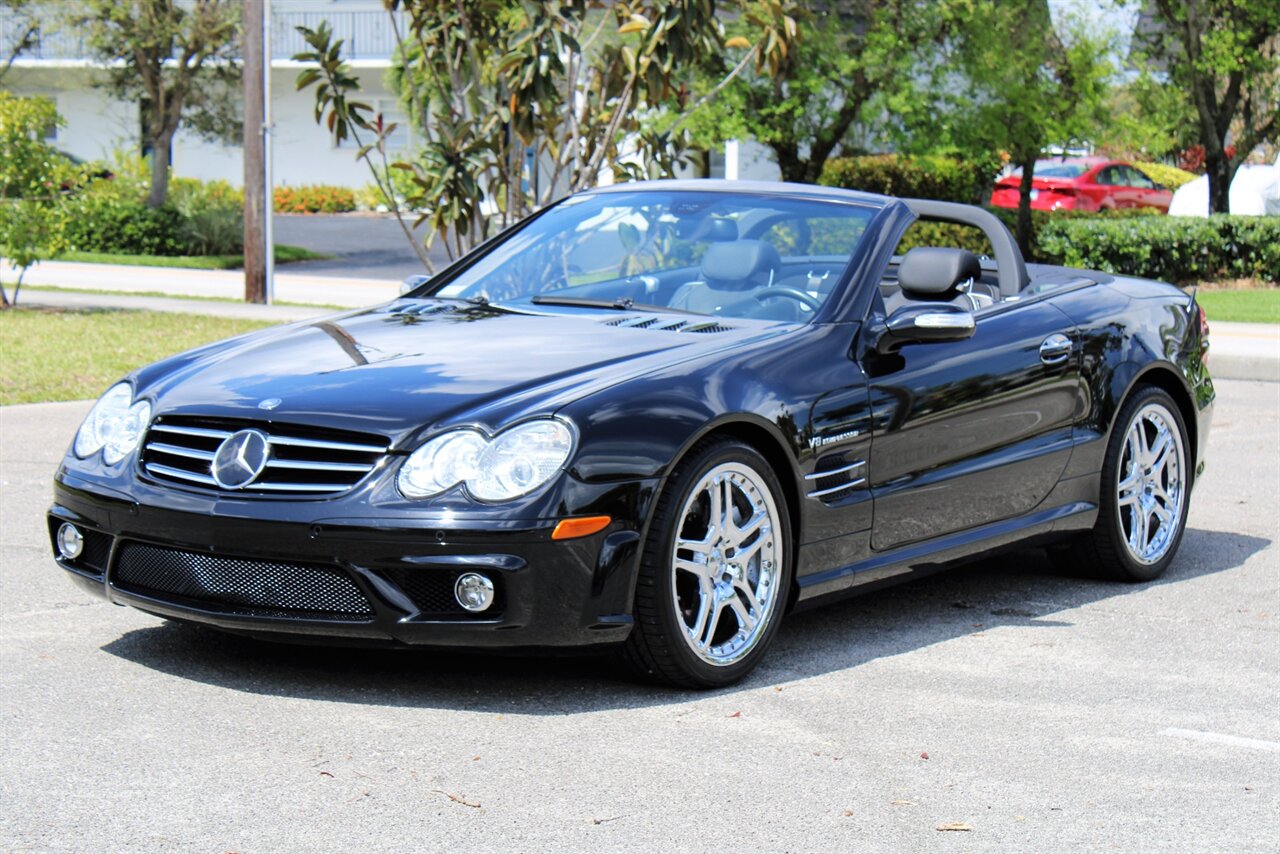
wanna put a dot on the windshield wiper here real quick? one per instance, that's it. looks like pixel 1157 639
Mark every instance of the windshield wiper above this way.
pixel 620 304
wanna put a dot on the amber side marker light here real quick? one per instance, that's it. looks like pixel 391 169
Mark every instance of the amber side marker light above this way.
pixel 583 526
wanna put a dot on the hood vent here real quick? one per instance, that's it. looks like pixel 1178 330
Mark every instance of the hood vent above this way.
pixel 664 325
pixel 427 308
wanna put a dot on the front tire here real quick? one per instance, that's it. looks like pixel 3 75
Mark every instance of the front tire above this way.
pixel 715 571
pixel 1145 486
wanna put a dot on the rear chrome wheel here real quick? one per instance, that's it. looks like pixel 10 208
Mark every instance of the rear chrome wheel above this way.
pixel 1151 489
pixel 1145 483
pixel 715 570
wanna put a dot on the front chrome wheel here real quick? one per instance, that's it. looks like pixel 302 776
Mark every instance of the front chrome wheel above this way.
pixel 1152 485
pixel 725 564
pixel 715 571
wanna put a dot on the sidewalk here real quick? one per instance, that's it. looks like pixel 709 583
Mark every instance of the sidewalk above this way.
pixel 1244 351
pixel 226 284
pixel 1238 351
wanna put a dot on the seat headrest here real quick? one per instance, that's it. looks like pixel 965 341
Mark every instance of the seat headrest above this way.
pixel 716 229
pixel 934 271
pixel 739 262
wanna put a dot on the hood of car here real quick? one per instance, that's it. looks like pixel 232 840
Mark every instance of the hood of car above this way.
pixel 397 368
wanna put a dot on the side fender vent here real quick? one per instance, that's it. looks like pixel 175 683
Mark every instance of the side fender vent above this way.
pixel 834 476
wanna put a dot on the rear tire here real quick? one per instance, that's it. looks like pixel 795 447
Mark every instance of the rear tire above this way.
pixel 715 570
pixel 1145 494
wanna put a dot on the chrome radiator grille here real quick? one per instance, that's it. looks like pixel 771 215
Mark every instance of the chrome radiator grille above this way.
pixel 300 461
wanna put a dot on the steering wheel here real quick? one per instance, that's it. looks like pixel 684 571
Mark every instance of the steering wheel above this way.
pixel 790 293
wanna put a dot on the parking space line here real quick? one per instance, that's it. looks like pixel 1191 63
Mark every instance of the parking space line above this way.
pixel 1221 738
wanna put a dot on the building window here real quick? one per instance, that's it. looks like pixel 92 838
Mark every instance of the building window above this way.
pixel 400 138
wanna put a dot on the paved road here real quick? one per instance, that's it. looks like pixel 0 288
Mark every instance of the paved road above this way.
pixel 1056 714
pixel 367 246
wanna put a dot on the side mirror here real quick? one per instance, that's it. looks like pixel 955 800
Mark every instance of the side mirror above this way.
pixel 412 283
pixel 922 324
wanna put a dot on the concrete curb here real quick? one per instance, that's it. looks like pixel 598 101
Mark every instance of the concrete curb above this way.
pixel 249 311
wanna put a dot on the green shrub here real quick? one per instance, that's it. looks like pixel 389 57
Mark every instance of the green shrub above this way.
pixel 1170 176
pixel 1173 249
pixel 102 222
pixel 212 213
pixel 932 176
pixel 214 230
pixel 314 198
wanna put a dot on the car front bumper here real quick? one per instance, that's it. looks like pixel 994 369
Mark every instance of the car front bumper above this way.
pixel 354 580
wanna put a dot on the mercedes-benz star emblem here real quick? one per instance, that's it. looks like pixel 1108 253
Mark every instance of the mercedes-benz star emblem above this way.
pixel 270 403
pixel 240 459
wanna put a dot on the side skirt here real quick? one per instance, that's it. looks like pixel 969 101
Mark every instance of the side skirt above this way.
pixel 924 558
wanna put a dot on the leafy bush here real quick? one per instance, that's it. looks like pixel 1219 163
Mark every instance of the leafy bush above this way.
pixel 213 216
pixel 30 168
pixel 931 233
pixel 1170 176
pixel 215 230
pixel 314 198
pixel 32 181
pixel 371 198
pixel 932 176
pixel 1173 249
pixel 103 222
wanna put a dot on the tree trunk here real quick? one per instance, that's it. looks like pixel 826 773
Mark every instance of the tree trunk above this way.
pixel 1220 170
pixel 160 146
pixel 1028 165
pixel 787 156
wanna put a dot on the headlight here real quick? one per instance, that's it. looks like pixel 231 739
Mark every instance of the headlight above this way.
pixel 512 464
pixel 114 426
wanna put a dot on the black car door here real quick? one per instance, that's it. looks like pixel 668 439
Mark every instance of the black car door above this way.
pixel 973 431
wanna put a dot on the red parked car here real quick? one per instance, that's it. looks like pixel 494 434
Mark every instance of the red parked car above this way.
pixel 1083 184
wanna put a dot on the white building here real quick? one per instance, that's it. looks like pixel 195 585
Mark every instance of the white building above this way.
pixel 60 68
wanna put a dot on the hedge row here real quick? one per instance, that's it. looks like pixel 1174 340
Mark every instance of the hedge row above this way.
pixel 941 177
pixel 1172 249
pixel 314 198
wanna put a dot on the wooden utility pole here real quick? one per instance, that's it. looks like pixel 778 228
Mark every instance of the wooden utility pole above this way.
pixel 256 205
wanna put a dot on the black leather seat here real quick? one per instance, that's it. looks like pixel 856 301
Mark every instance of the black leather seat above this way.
pixel 929 274
pixel 731 273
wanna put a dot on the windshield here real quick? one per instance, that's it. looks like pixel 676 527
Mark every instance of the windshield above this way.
pixel 714 253
pixel 1054 169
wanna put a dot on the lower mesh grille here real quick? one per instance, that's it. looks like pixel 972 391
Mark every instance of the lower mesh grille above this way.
pixel 97 550
pixel 293 589
pixel 431 591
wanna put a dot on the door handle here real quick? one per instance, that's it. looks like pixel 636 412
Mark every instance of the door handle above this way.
pixel 1055 349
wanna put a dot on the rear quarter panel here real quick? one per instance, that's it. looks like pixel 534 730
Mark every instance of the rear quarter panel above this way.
pixel 1134 331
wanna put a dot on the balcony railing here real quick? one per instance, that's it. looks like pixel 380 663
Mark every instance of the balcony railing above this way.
pixel 365 35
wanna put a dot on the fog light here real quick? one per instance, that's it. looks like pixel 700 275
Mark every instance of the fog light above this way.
pixel 70 541
pixel 473 591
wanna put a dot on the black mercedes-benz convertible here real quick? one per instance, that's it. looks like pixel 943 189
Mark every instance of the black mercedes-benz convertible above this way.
pixel 655 417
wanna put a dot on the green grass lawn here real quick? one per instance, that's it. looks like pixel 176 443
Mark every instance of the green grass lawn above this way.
pixel 72 354
pixel 1255 305
pixel 285 254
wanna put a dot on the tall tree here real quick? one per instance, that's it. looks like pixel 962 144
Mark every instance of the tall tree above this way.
pixel 1028 83
pixel 847 54
pixel 23 32
pixel 1225 54
pixel 178 59
pixel 518 101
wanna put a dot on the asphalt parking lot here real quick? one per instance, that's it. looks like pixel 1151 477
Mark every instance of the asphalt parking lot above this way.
pixel 1025 710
